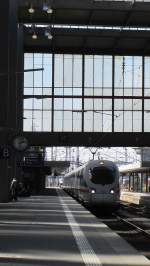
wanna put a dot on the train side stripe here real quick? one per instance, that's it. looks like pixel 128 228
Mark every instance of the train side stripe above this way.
pixel 88 255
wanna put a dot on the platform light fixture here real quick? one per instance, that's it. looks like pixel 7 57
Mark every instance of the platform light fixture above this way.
pixel 47 8
pixel 48 34
pixel 34 34
pixel 31 9
pixel 112 191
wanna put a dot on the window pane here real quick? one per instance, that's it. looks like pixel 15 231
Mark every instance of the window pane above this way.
pixel 88 121
pixel 118 104
pixel 68 91
pixel 137 121
pixel 108 71
pixel 77 116
pixel 88 91
pixel 77 91
pixel 118 72
pixel 147 104
pixel 118 121
pixel 127 69
pixel 37 91
pixel 67 121
pixel 77 70
pixel 147 121
pixel 58 104
pixel 98 91
pixel 147 76
pixel 127 104
pixel 98 62
pixel 68 104
pixel 59 91
pixel 97 104
pixel 127 121
pixel 137 75
pixel 137 104
pixel 38 63
pixel 28 103
pixel 107 121
pixel 58 72
pixel 107 104
pixel 128 75
pixel 47 91
pixel 89 62
pixel 27 123
pixel 47 73
pixel 37 79
pixel 77 104
pixel 46 104
pixel 58 121
pixel 88 104
pixel 37 121
pixel 97 122
pixel 68 70
pixel 46 121
pixel 28 61
pixel 28 91
pixel 28 79
pixel 37 104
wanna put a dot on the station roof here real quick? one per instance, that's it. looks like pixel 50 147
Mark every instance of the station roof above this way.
pixel 88 26
pixel 88 12
pixel 135 170
pixel 88 139
pixel 89 41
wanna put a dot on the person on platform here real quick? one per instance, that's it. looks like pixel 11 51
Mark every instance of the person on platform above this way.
pixel 14 189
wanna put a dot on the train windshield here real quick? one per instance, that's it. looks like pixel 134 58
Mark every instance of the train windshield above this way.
pixel 102 175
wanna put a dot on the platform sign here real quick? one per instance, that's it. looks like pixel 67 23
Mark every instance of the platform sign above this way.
pixel 4 152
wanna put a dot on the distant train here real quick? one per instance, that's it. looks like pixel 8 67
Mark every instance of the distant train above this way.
pixel 96 184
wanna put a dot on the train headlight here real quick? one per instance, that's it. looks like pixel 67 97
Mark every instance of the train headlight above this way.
pixel 93 191
pixel 112 191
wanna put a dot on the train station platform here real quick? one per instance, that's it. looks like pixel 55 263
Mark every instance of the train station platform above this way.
pixel 136 198
pixel 55 230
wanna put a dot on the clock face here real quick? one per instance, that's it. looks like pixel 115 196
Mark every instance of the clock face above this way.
pixel 20 143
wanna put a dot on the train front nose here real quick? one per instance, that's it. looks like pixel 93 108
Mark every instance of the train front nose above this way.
pixel 103 191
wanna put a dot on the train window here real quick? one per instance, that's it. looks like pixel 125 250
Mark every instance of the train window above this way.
pixel 102 175
pixel 82 182
pixel 90 173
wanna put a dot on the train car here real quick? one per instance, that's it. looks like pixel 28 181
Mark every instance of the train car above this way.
pixel 96 183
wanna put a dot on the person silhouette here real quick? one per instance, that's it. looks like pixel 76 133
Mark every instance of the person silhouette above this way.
pixel 13 189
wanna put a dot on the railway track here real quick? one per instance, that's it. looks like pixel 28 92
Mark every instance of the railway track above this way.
pixel 133 227
pixel 140 210
pixel 145 232
pixel 131 224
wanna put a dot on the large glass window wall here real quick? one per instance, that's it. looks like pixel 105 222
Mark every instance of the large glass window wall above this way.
pixel 86 93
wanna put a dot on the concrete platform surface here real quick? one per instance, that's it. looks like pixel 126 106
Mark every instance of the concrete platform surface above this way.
pixel 55 230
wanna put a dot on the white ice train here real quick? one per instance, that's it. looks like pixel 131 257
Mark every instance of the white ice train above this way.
pixel 96 183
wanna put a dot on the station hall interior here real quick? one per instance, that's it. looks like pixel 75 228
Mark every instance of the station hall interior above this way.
pixel 73 74
pixel 74 103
